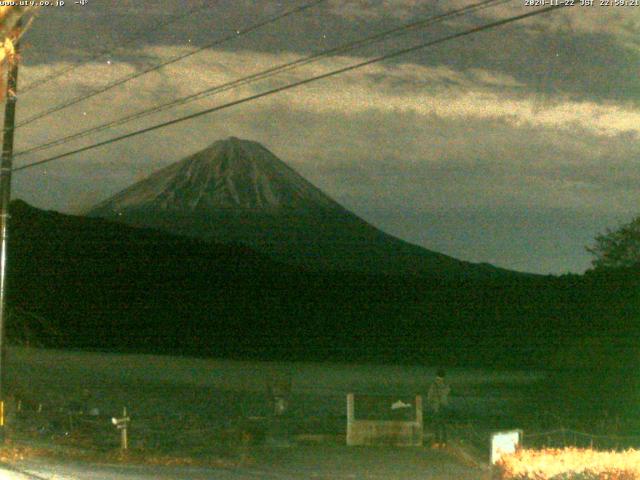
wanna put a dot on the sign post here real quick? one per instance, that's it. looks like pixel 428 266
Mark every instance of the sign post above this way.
pixel 504 443
pixel 122 424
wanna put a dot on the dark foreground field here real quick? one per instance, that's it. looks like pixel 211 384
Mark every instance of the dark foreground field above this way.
pixel 198 418
pixel 196 413
pixel 190 405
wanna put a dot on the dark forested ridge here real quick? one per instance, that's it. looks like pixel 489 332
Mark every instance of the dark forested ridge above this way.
pixel 79 282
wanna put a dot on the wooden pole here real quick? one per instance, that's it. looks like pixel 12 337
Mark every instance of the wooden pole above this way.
pixel 124 441
pixel 419 420
pixel 6 166
pixel 350 417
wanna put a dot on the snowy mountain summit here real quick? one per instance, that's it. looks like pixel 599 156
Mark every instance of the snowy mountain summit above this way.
pixel 230 174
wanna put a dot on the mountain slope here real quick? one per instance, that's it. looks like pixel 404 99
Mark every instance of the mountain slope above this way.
pixel 238 191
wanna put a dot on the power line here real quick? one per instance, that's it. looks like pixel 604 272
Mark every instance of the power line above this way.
pixel 154 68
pixel 397 53
pixel 400 30
pixel 136 36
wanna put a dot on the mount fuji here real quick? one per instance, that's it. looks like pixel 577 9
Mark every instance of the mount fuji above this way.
pixel 237 191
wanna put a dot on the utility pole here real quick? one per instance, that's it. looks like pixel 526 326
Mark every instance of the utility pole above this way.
pixel 6 166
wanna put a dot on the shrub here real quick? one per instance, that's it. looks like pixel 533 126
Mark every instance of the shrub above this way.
pixel 570 464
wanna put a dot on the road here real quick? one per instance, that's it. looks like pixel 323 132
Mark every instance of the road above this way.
pixel 315 463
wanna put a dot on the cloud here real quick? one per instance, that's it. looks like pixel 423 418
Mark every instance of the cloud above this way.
pixel 441 91
pixel 380 94
pixel 622 23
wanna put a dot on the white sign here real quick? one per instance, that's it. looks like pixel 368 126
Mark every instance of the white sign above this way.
pixel 504 443
pixel 400 404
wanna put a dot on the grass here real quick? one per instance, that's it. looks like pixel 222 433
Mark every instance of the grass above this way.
pixel 188 411
pixel 19 450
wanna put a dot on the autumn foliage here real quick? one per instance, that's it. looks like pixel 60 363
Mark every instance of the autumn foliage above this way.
pixel 10 32
pixel 570 464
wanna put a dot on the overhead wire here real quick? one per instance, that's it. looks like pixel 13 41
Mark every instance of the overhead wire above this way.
pixel 268 73
pixel 109 51
pixel 273 91
pixel 156 67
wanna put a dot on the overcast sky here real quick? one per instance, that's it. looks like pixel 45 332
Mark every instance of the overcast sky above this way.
pixel 514 146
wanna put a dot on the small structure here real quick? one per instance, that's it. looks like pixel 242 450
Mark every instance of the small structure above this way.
pixel 504 443
pixel 397 423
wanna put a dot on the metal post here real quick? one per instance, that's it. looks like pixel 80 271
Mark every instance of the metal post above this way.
pixel 5 198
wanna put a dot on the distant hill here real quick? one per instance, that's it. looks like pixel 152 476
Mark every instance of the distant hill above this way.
pixel 78 282
pixel 238 191
pixel 101 284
